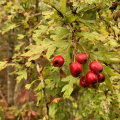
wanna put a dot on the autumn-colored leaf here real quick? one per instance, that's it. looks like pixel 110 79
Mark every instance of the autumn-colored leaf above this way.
pixel 56 100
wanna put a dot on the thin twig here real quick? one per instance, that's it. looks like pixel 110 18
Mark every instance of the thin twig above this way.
pixel 36 14
pixel 44 92
pixel 67 49
pixel 74 48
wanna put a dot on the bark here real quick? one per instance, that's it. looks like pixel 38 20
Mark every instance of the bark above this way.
pixel 9 88
pixel 10 78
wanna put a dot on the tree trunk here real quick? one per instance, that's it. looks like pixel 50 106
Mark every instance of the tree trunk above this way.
pixel 10 78
pixel 18 87
pixel 9 87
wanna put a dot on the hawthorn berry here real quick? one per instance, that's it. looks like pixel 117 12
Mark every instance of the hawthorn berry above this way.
pixel 101 78
pixel 83 82
pixel 96 67
pixel 75 69
pixel 82 58
pixel 91 77
pixel 58 61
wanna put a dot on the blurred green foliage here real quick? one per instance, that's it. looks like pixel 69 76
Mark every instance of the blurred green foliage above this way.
pixel 49 30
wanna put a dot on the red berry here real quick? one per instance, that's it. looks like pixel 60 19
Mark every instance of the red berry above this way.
pixel 91 77
pixel 96 67
pixel 81 58
pixel 75 69
pixel 101 78
pixel 83 82
pixel 58 61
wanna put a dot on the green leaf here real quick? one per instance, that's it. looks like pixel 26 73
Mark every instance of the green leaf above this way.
pixel 67 89
pixel 90 15
pixel 71 18
pixel 50 51
pixel 9 27
pixel 97 1
pixel 3 65
pixel 21 75
pixel 60 33
pixel 39 87
pixel 89 1
pixel 108 57
pixel 34 57
pixel 92 36
pixel 63 6
pixel 20 36
pixel 19 45
pixel 35 49
pixel 52 110
pixel 109 71
pixel 28 86
pixel 68 78
pixel 40 96
pixel 108 82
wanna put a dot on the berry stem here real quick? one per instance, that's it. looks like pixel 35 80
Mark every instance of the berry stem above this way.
pixel 74 43
pixel 74 52
pixel 85 51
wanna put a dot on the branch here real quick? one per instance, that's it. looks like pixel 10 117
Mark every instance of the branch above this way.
pixel 37 9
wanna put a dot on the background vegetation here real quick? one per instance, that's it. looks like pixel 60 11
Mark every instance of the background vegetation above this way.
pixel 32 33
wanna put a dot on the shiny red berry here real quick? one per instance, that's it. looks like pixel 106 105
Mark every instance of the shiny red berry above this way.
pixel 75 69
pixel 83 82
pixel 101 78
pixel 58 61
pixel 96 67
pixel 91 77
pixel 82 58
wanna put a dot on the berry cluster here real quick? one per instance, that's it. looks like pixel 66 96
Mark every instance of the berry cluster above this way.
pixel 91 78
pixel 94 76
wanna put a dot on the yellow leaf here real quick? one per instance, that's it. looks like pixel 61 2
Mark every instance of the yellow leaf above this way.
pixel 56 100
